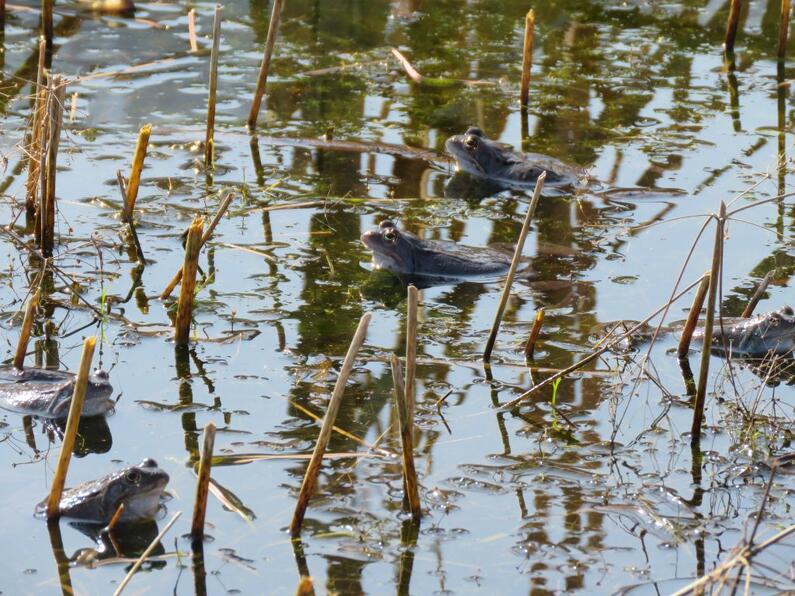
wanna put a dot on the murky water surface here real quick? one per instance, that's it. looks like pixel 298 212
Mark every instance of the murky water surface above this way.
pixel 514 502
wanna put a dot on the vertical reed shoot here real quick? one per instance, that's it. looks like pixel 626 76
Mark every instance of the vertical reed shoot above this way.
pixel 135 172
pixel 527 55
pixel 783 29
pixel 27 325
pixel 34 147
pixel 46 21
pixel 411 352
pixel 209 143
pixel 731 25
pixel 54 116
pixel 189 268
pixel 262 77
pixel 203 483
pixel 692 317
pixel 194 45
pixel 760 291
pixel 405 423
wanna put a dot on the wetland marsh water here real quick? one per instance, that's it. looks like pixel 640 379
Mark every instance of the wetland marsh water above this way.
pixel 514 502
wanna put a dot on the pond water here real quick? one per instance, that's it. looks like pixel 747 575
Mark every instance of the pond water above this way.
pixel 514 502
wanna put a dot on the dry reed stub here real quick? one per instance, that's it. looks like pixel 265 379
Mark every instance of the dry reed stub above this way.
pixel 411 350
pixel 46 21
pixel 190 266
pixel 313 468
pixel 783 29
pixel 692 317
pixel 135 171
pixel 517 255
pixel 194 45
pixel 530 346
pixel 731 25
pixel 203 483
pixel 27 326
pixel 54 117
pixel 70 432
pixel 757 296
pixel 209 142
pixel 527 55
pixel 264 69
pixel 405 423
pixel 701 389
pixel 34 151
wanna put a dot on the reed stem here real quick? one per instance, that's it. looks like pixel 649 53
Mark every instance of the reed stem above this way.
pixel 57 93
pixel 46 21
pixel 783 29
pixel 209 142
pixel 203 483
pixel 135 172
pixel 189 267
pixel 137 565
pixel 194 45
pixel 34 148
pixel 313 468
pixel 27 326
pixel 527 55
pixel 701 389
pixel 760 291
pixel 405 423
pixel 530 346
pixel 731 26
pixel 411 352
pixel 517 255
pixel 262 78
pixel 70 432
pixel 692 317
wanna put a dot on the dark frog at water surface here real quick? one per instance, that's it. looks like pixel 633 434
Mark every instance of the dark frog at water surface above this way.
pixel 48 393
pixel 405 254
pixel 499 163
pixel 139 488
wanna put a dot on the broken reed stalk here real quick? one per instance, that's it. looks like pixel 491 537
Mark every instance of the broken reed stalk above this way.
pixel 209 143
pixel 313 468
pixel 135 172
pixel 527 55
pixel 701 389
pixel 203 483
pixel 189 267
pixel 411 352
pixel 731 26
pixel 783 28
pixel 145 554
pixel 207 234
pixel 405 424
pixel 46 21
pixel 749 308
pixel 262 77
pixel 410 70
pixel 692 317
pixel 517 255
pixel 54 116
pixel 139 251
pixel 194 45
pixel 595 354
pixel 305 587
pixel 116 517
pixel 70 432
pixel 24 335
pixel 34 147
pixel 530 346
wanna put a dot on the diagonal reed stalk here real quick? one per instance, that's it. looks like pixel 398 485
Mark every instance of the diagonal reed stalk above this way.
pixel 757 296
pixel 262 77
pixel 692 316
pixel 530 346
pixel 27 326
pixel 731 26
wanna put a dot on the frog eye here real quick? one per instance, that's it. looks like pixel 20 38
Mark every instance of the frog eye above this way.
pixel 471 142
pixel 132 476
pixel 390 235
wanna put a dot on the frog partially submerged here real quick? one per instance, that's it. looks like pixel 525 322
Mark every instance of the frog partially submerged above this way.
pixel 500 164
pixel 48 393
pixel 138 487
pixel 405 254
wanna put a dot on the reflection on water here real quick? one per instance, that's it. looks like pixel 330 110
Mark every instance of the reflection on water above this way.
pixel 515 501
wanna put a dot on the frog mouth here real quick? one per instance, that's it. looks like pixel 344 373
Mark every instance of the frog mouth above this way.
pixel 463 160
pixel 384 256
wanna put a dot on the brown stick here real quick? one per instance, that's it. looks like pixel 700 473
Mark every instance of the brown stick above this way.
pixel 207 235
pixel 410 70
pixel 34 150
pixel 209 143
pixel 783 29
pixel 194 46
pixel 731 26
pixel 189 267
pixel 46 21
pixel 506 291
pixel 135 172
pixel 692 317
pixel 310 477
pixel 527 55
pixel 530 346
pixel 70 432
pixel 116 517
pixel 262 78
pixel 701 389
pixel 749 309
pixel 24 335
pixel 54 118
pixel 411 352
pixel 405 423
pixel 203 483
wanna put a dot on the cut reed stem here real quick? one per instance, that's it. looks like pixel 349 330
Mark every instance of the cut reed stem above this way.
pixel 139 251
pixel 313 468
pixel 209 143
pixel 57 93
pixel 530 346
pixel 527 55
pixel 34 148
pixel 760 291
pixel 70 431
pixel 203 483
pixel 46 21
pixel 692 317
pixel 783 28
pixel 517 255
pixel 194 45
pixel 27 326
pixel 207 235
pixel 411 352
pixel 731 26
pixel 189 267
pixel 262 78
pixel 405 423
pixel 135 172
pixel 701 389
